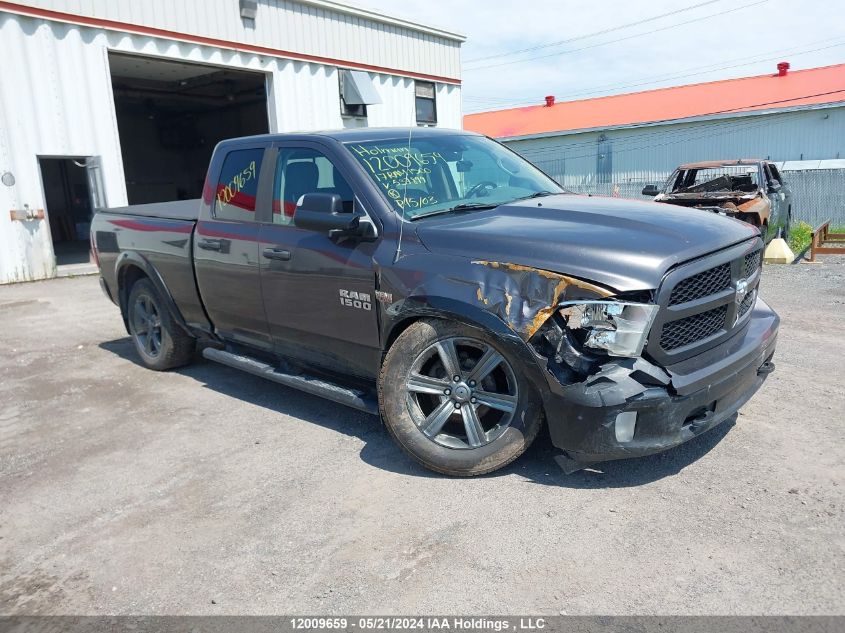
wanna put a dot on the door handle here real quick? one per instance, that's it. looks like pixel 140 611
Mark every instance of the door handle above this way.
pixel 277 253
pixel 210 244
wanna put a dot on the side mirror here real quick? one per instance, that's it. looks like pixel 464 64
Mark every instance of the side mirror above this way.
pixel 323 213
pixel 651 190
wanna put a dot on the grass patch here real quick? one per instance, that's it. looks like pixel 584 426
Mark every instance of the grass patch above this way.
pixel 800 236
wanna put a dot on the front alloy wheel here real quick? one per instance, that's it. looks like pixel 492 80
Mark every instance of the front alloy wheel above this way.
pixel 462 393
pixel 455 400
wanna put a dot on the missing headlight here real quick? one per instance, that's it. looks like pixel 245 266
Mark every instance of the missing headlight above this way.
pixel 619 328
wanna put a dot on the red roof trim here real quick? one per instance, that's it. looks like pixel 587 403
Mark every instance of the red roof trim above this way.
pixel 803 88
pixel 139 29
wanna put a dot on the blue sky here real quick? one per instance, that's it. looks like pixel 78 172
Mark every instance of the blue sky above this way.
pixel 702 41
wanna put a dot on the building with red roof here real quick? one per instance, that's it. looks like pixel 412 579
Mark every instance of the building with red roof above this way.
pixel 617 143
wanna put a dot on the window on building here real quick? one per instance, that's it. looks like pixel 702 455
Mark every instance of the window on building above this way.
pixel 356 93
pixel 300 171
pixel 237 185
pixel 426 103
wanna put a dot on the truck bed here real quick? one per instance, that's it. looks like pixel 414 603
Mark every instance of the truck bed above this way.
pixel 158 239
pixel 178 210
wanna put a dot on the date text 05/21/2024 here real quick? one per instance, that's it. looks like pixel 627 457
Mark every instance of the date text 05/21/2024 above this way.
pixel 399 623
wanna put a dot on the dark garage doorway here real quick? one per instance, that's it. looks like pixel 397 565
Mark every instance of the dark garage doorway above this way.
pixel 67 196
pixel 171 114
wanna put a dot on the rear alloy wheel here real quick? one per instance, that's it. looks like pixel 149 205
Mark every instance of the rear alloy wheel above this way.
pixel 146 324
pixel 454 400
pixel 160 342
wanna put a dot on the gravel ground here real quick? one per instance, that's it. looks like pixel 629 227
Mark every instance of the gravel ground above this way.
pixel 208 491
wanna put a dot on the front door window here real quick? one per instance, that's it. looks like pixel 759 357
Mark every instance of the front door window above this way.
pixel 304 170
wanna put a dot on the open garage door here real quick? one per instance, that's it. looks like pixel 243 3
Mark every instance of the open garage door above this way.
pixel 171 114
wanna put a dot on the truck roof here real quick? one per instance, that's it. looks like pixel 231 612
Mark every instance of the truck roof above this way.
pixel 723 163
pixel 363 134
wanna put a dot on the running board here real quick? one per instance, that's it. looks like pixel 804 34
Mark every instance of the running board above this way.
pixel 309 384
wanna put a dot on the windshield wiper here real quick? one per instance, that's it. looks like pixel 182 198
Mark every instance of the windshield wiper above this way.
pixel 539 194
pixel 464 206
pixel 475 205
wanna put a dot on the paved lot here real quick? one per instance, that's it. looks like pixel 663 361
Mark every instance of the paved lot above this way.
pixel 210 491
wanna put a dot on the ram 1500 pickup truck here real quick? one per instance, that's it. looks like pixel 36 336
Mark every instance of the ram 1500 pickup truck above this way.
pixel 437 279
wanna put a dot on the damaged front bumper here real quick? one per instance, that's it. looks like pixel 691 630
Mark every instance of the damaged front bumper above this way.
pixel 632 408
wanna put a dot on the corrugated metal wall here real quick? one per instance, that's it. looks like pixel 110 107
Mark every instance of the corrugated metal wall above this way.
pixel 325 29
pixel 639 152
pixel 624 160
pixel 56 100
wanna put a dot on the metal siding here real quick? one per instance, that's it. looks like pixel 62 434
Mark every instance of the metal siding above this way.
pixel 397 102
pixel 649 154
pixel 297 27
pixel 807 134
pixel 56 99
pixel 449 106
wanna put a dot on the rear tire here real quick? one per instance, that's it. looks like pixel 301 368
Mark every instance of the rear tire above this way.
pixel 159 341
pixel 500 411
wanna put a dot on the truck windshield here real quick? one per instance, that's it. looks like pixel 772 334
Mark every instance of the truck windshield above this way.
pixel 449 173
pixel 716 179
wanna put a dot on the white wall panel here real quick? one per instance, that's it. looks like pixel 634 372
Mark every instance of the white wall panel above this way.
pixel 56 100
pixel 322 28
pixel 449 106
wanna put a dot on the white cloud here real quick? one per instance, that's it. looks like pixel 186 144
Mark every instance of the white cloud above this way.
pixel 768 31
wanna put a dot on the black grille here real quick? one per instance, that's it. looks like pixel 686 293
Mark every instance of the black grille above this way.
pixel 703 284
pixel 698 307
pixel 752 263
pixel 693 328
pixel 746 304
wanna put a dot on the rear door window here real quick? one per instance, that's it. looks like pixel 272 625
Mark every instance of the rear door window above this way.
pixel 237 185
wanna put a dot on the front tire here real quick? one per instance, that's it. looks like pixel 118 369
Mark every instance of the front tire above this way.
pixel 160 343
pixel 455 401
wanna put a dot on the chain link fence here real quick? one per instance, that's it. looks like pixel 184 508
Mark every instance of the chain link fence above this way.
pixel 818 194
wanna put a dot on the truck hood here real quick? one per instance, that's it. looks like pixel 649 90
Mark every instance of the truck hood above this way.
pixel 624 244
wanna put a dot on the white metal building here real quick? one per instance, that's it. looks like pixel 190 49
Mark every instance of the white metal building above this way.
pixel 115 102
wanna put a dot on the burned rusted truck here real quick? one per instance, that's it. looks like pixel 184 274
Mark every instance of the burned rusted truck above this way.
pixel 751 190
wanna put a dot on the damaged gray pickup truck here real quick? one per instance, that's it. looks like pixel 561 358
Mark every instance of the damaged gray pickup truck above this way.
pixel 437 279
pixel 750 189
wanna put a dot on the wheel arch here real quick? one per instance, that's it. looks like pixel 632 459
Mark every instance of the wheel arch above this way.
pixel 130 267
pixel 434 307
